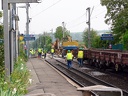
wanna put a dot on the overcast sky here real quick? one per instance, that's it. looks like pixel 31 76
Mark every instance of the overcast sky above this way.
pixel 49 14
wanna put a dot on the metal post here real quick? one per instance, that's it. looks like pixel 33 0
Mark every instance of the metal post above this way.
pixel 63 28
pixel 11 32
pixel 27 26
pixel 44 41
pixel 6 38
pixel 17 34
pixel 52 34
pixel 89 32
pixel 12 50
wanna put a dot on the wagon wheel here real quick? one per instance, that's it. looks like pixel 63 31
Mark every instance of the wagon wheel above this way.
pixel 91 62
pixel 116 67
pixel 96 64
pixel 102 65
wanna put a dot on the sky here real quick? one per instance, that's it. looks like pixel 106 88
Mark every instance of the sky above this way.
pixel 49 14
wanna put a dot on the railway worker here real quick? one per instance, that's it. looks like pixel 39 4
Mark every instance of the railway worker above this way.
pixel 110 46
pixel 45 53
pixel 80 57
pixel 69 58
pixel 30 52
pixel 39 52
pixel 52 52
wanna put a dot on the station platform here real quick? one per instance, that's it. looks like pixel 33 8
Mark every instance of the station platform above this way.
pixel 49 81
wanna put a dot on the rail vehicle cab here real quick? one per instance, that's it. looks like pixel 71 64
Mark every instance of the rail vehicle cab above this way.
pixel 100 90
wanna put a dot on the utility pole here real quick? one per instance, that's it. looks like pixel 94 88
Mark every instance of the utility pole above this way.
pixel 89 32
pixel 27 26
pixel 63 28
pixel 52 34
pixel 6 38
pixel 44 40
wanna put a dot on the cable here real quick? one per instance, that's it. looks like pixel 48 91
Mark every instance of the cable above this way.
pixel 34 6
pixel 47 8
pixel 97 15
pixel 77 24
pixel 77 18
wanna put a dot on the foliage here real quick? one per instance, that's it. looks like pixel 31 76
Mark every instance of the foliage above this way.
pixel 18 81
pixel 93 37
pixel 44 41
pixel 96 42
pixel 22 53
pixel 1 14
pixel 1 50
pixel 59 33
pixel 16 84
pixel 125 40
pixel 117 16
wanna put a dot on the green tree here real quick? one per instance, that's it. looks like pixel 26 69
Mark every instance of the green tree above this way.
pixel 96 41
pixel 59 33
pixel 44 41
pixel 1 47
pixel 93 38
pixel 125 40
pixel 117 16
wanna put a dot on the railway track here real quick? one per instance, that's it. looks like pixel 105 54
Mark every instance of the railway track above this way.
pixel 80 77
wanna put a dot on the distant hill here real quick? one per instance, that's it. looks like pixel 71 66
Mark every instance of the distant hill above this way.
pixel 79 35
pixel 103 31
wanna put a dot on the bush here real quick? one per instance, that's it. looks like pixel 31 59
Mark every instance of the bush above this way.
pixel 18 81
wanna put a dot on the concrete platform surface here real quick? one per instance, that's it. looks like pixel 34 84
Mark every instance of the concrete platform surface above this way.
pixel 49 81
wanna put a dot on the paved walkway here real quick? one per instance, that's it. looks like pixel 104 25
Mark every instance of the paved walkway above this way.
pixel 47 80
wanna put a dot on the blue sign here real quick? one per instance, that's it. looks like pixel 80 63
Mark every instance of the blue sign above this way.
pixel 29 37
pixel 107 37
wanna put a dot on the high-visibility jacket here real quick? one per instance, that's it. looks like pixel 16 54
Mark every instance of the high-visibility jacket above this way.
pixel 40 50
pixel 80 54
pixel 31 51
pixel 52 50
pixel 69 56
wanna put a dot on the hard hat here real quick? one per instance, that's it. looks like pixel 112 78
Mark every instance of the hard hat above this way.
pixel 68 50
pixel 80 48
